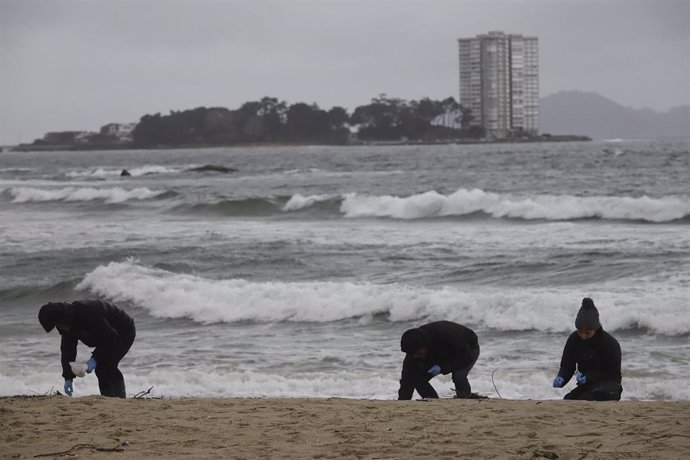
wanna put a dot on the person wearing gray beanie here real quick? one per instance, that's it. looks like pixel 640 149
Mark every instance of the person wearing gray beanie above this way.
pixel 441 347
pixel 588 316
pixel 595 354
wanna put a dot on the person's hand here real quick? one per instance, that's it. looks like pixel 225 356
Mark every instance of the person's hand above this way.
pixel 581 378
pixel 434 370
pixel 90 365
pixel 558 382
pixel 68 387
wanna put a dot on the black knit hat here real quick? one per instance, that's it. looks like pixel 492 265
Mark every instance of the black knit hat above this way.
pixel 412 340
pixel 52 313
pixel 588 316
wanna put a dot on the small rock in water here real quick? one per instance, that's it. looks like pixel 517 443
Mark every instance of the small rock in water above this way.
pixel 214 168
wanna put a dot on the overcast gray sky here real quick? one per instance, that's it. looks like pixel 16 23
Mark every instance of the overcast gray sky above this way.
pixel 72 65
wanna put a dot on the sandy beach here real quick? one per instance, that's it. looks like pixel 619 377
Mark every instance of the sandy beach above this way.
pixel 97 427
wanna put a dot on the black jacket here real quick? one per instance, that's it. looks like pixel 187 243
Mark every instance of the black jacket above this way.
pixel 452 346
pixel 598 358
pixel 97 324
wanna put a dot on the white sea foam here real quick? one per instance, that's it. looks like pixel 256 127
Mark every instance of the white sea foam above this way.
pixel 67 194
pixel 348 383
pixel 290 172
pixel 169 295
pixel 297 201
pixel 16 170
pixel 98 173
pixel 205 382
pixel 104 172
pixel 323 172
pixel 548 207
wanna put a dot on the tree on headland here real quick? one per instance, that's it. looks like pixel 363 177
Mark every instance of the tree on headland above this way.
pixel 270 120
pixel 378 120
pixel 272 113
pixel 466 118
pixel 395 119
pixel 265 121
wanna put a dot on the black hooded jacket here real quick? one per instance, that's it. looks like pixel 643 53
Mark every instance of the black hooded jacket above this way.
pixel 598 358
pixel 96 323
pixel 452 346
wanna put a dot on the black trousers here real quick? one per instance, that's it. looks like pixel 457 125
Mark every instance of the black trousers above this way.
pixel 415 376
pixel 462 384
pixel 608 390
pixel 110 380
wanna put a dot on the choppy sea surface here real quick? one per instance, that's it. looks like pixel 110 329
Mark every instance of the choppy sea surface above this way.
pixel 296 275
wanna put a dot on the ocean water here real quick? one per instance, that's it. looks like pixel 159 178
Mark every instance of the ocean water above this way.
pixel 296 275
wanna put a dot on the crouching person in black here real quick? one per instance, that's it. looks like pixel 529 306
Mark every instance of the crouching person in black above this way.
pixel 441 347
pixel 597 356
pixel 97 324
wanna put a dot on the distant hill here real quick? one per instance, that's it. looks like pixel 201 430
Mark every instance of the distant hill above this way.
pixel 576 112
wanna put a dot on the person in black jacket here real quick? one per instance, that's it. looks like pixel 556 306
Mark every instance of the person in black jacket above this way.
pixel 597 356
pixel 97 324
pixel 441 347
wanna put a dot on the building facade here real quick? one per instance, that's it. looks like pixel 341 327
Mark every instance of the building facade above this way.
pixel 499 82
pixel 122 132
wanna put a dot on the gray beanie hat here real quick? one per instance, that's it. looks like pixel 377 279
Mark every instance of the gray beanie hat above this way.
pixel 588 316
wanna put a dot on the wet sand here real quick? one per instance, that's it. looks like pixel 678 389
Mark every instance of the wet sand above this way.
pixel 61 427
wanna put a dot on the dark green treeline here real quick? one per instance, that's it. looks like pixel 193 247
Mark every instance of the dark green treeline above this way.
pixel 272 121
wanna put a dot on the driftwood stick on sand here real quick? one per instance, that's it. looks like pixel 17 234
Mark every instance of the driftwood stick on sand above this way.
pixel 117 448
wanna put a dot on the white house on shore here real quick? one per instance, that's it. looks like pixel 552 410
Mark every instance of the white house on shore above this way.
pixel 120 131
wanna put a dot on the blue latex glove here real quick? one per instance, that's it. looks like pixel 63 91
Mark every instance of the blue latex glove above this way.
pixel 558 382
pixel 68 387
pixel 434 370
pixel 90 365
pixel 581 378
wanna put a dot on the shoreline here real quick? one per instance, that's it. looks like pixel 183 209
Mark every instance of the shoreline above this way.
pixel 342 428
pixel 102 148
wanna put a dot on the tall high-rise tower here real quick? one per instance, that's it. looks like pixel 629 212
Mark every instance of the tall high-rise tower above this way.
pixel 499 82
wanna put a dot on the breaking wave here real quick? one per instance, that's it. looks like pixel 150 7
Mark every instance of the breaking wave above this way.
pixel 166 294
pixel 460 204
pixel 72 194
pixel 547 207
pixel 297 202
pixel 466 203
